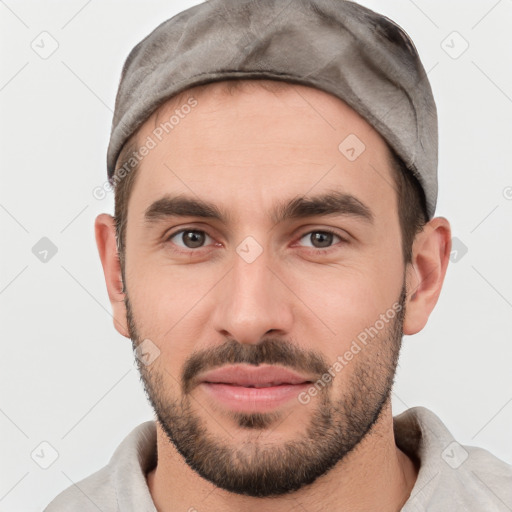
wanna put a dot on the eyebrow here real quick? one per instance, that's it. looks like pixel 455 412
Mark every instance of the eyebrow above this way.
pixel 330 203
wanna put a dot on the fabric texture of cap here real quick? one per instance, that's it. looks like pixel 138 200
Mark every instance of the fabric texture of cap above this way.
pixel 337 46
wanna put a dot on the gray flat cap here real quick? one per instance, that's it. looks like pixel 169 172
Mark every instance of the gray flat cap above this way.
pixel 337 46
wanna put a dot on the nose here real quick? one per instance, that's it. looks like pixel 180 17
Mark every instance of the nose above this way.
pixel 253 301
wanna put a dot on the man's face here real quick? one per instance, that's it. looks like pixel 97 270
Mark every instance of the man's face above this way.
pixel 287 288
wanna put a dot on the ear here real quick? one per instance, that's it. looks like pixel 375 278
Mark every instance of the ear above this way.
pixel 425 274
pixel 105 231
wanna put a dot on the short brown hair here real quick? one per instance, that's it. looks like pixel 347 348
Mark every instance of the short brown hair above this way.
pixel 412 211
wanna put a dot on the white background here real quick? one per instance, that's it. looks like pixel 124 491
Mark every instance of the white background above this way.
pixel 68 378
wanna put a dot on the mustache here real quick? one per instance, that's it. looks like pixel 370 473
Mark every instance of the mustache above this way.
pixel 269 351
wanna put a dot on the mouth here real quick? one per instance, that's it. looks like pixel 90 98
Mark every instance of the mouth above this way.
pixel 269 385
pixel 253 388
pixel 249 376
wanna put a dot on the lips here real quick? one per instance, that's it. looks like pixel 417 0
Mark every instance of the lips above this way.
pixel 249 376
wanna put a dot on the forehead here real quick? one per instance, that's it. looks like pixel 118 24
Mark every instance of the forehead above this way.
pixel 259 141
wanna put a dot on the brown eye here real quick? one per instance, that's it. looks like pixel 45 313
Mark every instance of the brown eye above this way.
pixel 321 239
pixel 189 239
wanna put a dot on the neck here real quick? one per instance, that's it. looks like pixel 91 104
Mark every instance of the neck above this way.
pixel 375 475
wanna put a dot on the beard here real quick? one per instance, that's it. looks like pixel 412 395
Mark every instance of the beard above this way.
pixel 251 468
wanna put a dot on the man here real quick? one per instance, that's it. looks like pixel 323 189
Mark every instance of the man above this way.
pixel 275 174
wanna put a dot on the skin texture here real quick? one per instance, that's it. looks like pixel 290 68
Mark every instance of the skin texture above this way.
pixel 245 153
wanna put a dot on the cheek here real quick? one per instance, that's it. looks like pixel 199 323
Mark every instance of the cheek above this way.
pixel 340 302
pixel 170 296
pixel 169 308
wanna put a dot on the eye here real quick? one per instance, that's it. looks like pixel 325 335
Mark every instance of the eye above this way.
pixel 189 238
pixel 321 239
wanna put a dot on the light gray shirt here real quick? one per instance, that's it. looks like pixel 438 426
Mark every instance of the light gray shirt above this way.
pixel 452 477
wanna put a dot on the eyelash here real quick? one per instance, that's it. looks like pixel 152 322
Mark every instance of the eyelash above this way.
pixel 316 250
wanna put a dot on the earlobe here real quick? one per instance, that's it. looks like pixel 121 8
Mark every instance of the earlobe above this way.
pixel 425 274
pixel 105 232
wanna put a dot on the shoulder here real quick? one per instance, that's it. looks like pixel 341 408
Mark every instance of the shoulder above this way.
pixel 121 484
pixel 472 479
pixel 93 493
pixel 452 476
pixel 484 475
